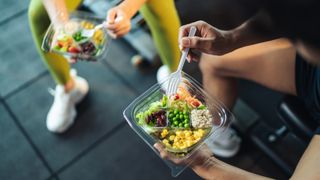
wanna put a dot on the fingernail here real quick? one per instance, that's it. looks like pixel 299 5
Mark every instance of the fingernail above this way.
pixel 180 47
pixel 185 41
pixel 118 19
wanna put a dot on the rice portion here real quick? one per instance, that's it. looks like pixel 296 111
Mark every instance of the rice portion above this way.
pixel 201 118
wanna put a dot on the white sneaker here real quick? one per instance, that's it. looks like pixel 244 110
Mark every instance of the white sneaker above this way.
pixel 162 73
pixel 62 112
pixel 227 145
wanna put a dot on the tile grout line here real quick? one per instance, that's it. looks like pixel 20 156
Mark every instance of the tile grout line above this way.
pixel 53 177
pixel 117 74
pixel 28 138
pixel 89 148
pixel 19 13
pixel 25 85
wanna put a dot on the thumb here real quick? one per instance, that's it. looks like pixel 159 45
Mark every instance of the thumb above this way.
pixel 111 16
pixel 195 42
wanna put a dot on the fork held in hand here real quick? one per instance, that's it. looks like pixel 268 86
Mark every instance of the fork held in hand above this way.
pixel 175 77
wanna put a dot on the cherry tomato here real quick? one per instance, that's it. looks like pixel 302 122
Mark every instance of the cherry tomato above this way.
pixel 195 103
pixel 73 50
pixel 176 97
pixel 60 44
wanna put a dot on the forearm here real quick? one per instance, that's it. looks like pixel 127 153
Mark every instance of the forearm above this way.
pixel 308 166
pixel 216 169
pixel 131 6
pixel 57 11
pixel 255 30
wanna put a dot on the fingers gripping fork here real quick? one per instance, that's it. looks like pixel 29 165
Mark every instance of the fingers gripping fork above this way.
pixel 175 77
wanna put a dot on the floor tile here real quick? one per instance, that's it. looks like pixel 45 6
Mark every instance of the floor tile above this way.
pixel 122 156
pixel 19 60
pixel 9 8
pixel 100 112
pixel 18 159
pixel 119 58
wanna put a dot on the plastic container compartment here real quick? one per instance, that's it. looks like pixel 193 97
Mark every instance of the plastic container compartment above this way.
pixel 220 120
pixel 89 49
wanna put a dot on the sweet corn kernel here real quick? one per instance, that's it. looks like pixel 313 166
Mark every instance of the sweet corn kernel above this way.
pixel 165 141
pixel 188 134
pixel 182 134
pixel 188 143
pixel 172 137
pixel 164 133
pixel 178 133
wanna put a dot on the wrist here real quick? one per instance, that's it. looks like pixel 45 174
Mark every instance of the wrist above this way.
pixel 60 20
pixel 232 37
pixel 129 9
pixel 206 168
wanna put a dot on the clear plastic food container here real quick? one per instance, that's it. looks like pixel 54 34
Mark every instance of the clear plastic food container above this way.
pixel 181 123
pixel 70 41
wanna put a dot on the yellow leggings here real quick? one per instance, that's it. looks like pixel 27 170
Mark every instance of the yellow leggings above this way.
pixel 163 21
pixel 39 22
pixel 161 17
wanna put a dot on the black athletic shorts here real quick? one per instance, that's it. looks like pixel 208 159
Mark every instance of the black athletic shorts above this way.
pixel 308 86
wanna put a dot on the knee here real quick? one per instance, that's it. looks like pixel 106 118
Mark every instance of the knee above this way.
pixel 32 10
pixel 211 65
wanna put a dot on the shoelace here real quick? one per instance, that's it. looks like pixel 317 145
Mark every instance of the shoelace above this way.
pixel 51 91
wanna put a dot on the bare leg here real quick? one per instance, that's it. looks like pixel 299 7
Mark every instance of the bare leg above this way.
pixel 271 64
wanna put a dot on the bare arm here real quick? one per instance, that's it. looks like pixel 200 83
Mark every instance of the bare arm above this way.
pixel 207 166
pixel 211 40
pixel 216 169
pixel 57 11
pixel 119 17
pixel 257 29
pixel 132 6
pixel 308 166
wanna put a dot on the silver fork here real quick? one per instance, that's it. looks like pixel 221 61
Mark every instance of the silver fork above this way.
pixel 175 77
pixel 90 32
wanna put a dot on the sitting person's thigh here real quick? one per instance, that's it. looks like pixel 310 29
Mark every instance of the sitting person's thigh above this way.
pixel 271 64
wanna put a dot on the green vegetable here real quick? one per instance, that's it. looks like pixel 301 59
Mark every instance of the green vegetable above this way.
pixel 153 107
pixel 57 47
pixel 201 107
pixel 64 49
pixel 164 101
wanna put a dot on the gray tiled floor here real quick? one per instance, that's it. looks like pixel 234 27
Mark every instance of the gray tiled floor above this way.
pixel 122 156
pixel 101 112
pixel 20 61
pixel 139 81
pixel 17 153
pixel 8 8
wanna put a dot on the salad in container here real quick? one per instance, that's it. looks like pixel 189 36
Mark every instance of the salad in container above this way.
pixel 181 122
pixel 72 41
